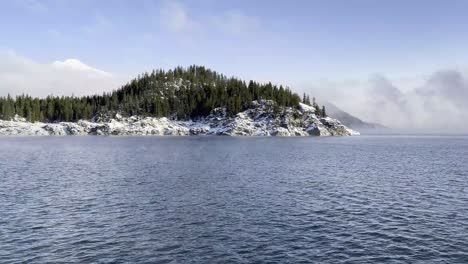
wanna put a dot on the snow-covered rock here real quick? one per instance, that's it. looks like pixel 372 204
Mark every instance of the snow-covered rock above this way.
pixel 263 118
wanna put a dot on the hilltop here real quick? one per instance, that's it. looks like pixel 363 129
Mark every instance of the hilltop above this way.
pixel 182 101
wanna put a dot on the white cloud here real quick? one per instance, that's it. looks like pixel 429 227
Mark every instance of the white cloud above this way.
pixel 76 65
pixel 20 75
pixel 235 22
pixel 100 25
pixel 34 6
pixel 174 17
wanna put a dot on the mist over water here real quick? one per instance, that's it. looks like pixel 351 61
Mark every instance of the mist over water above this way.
pixel 437 103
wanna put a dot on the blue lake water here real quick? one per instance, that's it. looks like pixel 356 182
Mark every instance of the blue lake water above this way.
pixel 367 199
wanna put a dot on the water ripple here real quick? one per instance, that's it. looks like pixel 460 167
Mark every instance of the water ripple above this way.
pixel 233 200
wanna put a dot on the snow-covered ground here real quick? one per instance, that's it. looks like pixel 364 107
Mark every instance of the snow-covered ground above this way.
pixel 260 120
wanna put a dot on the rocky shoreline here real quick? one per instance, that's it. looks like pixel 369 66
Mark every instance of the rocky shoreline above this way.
pixel 262 119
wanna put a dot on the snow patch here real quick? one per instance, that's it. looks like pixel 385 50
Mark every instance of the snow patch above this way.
pixel 264 118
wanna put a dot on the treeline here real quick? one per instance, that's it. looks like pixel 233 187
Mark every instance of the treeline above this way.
pixel 318 111
pixel 182 93
pixel 48 109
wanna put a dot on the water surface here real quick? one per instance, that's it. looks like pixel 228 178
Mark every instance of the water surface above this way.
pixel 368 199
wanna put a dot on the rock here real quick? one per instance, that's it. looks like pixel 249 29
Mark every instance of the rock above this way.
pixel 118 117
pixel 263 118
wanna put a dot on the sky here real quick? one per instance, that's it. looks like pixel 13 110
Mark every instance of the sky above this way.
pixel 394 62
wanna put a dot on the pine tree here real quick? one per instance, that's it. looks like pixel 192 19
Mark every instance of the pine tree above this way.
pixel 181 93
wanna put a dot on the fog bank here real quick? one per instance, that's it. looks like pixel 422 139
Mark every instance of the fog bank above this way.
pixel 437 102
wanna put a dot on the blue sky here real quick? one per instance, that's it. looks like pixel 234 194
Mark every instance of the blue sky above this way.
pixel 300 40
pixel 354 53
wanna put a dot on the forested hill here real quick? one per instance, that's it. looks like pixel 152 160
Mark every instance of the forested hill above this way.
pixel 182 93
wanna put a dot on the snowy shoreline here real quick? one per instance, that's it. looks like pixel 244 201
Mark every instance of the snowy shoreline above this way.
pixel 260 120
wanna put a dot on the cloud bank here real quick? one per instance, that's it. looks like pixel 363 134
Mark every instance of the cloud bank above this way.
pixel 436 102
pixel 20 75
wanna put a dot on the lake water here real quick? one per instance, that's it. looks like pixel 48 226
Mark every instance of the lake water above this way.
pixel 368 199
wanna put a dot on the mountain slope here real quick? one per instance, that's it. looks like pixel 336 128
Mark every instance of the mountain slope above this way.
pixel 350 120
